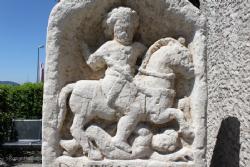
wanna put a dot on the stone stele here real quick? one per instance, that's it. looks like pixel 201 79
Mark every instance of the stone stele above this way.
pixel 125 84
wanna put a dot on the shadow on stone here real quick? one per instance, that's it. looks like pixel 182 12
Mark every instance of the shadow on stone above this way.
pixel 227 149
pixel 195 3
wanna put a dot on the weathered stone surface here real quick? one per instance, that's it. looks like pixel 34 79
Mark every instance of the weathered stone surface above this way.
pixel 115 84
pixel 66 161
pixel 228 72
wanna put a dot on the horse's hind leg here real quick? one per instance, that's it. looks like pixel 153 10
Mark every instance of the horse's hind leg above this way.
pixel 78 133
pixel 82 115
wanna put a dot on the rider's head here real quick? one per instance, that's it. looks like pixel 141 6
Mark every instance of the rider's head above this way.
pixel 121 23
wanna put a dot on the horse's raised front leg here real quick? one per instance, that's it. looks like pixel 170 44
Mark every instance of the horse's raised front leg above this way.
pixel 170 114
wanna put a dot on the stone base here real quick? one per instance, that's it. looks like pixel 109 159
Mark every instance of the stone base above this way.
pixel 65 161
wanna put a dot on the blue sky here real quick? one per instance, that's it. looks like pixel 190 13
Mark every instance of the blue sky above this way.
pixel 23 26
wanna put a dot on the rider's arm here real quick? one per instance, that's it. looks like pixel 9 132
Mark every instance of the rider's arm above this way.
pixel 96 60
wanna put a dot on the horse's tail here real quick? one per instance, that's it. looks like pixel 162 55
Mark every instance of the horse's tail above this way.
pixel 62 103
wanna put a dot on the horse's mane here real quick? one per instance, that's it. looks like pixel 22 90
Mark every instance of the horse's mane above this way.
pixel 153 48
pixel 181 64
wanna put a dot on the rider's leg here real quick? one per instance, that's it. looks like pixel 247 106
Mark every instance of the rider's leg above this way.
pixel 125 127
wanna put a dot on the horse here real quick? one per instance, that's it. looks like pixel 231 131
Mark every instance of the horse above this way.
pixel 153 101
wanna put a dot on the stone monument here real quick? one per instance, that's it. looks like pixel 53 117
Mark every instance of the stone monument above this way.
pixel 125 84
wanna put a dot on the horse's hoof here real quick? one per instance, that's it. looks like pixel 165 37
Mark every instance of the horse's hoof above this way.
pixel 95 155
pixel 70 146
pixel 185 156
pixel 122 145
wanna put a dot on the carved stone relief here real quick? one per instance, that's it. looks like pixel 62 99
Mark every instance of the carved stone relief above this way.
pixel 125 96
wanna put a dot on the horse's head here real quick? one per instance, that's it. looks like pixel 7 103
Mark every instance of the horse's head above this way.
pixel 167 57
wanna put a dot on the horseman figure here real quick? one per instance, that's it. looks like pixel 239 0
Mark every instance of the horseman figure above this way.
pixel 120 95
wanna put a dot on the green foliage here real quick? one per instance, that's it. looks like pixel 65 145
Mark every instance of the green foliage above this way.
pixel 22 102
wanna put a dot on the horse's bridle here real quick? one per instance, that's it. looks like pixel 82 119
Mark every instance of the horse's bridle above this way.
pixel 170 76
